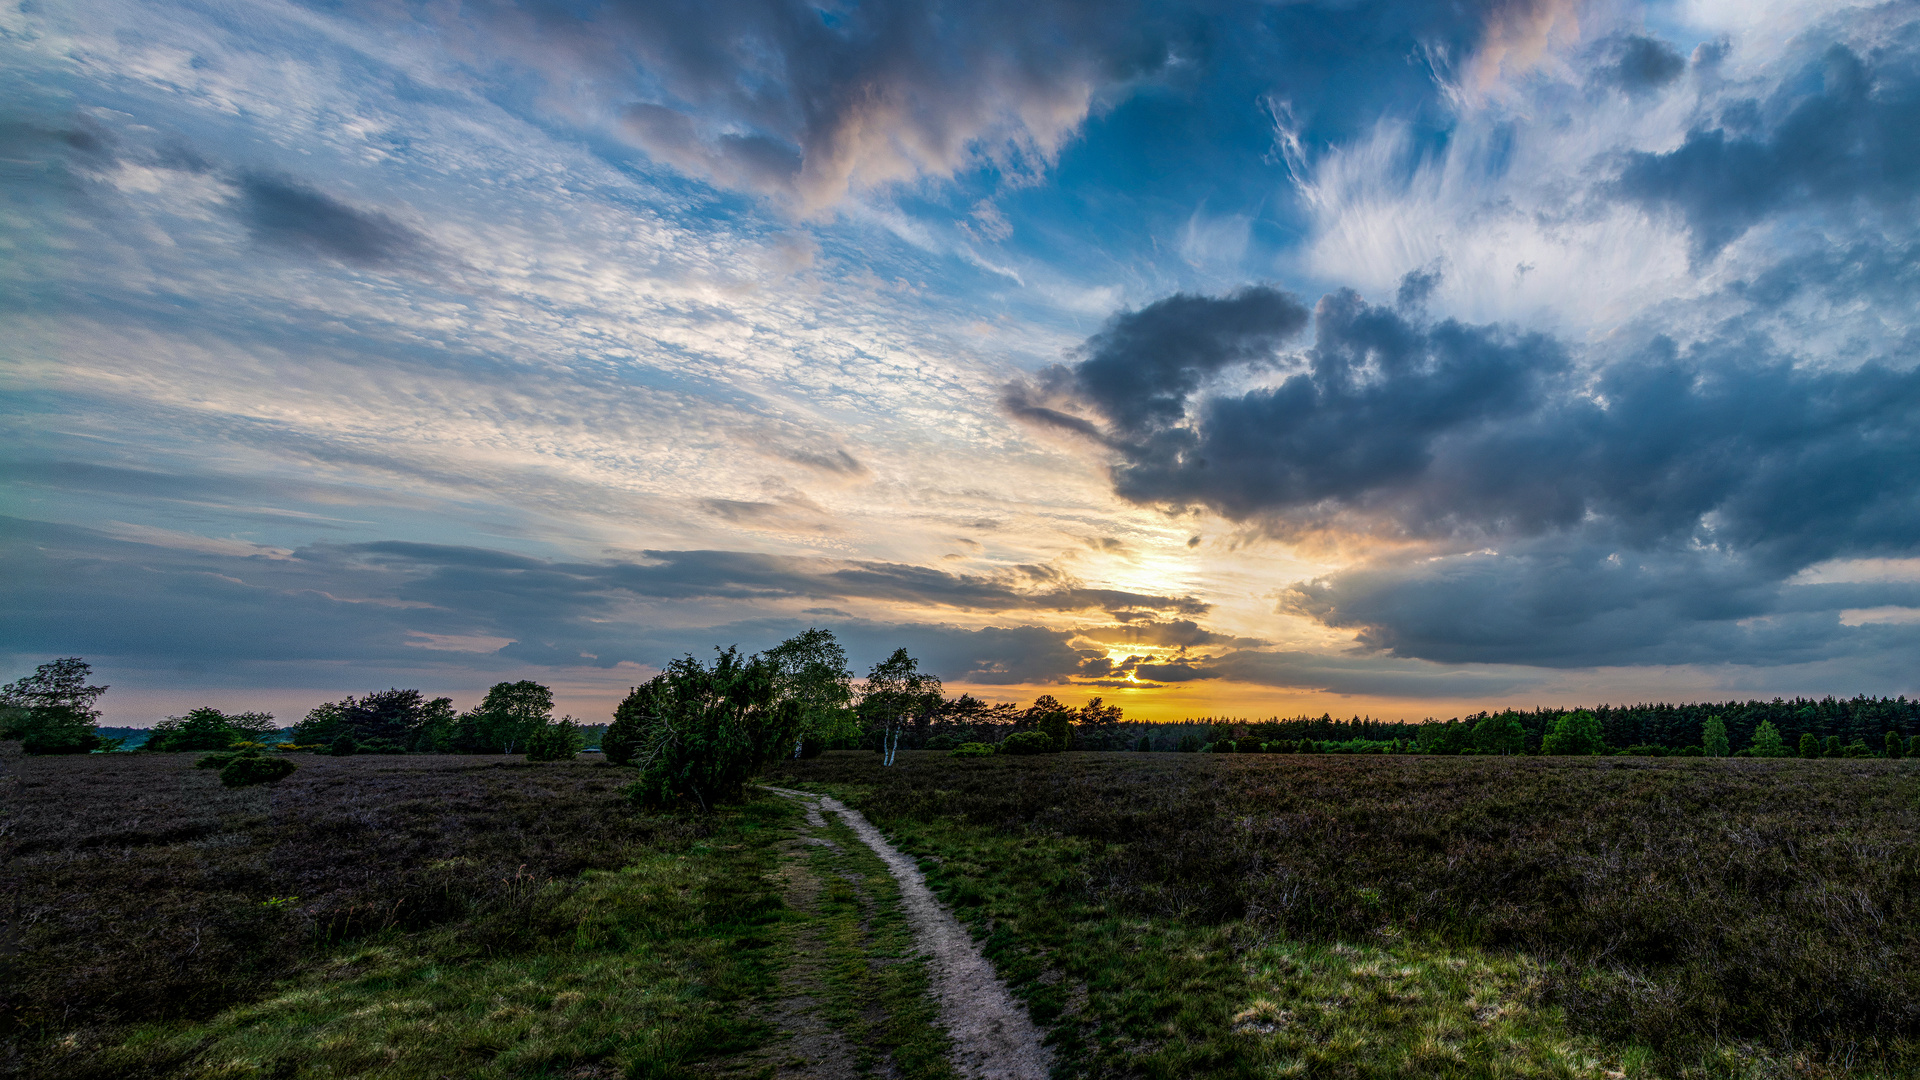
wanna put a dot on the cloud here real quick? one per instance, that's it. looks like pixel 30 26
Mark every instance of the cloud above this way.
pixel 813 104
pixel 1139 370
pixel 1851 141
pixel 1378 392
pixel 1644 510
pixel 285 213
pixel 1639 64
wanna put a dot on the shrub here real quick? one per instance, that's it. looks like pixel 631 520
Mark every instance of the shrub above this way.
pixel 1188 744
pixel 1691 751
pixel 1857 748
pixel 1896 747
pixel 1833 748
pixel 972 749
pixel 1145 746
pixel 1028 742
pixel 1809 746
pixel 558 741
pixel 343 746
pixel 702 732
pixel 253 767
pixel 812 746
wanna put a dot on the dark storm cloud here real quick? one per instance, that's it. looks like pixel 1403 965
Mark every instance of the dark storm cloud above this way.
pixel 1638 64
pixel 1854 140
pixel 780 96
pixel 1378 392
pixel 1647 511
pixel 1139 371
pixel 1573 604
pixel 283 212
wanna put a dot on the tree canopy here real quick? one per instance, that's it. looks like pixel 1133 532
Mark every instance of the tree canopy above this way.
pixel 700 733
pixel 52 710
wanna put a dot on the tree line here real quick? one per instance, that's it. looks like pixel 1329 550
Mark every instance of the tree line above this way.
pixel 802 696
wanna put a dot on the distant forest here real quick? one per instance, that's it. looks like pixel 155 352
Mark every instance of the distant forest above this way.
pixel 1859 719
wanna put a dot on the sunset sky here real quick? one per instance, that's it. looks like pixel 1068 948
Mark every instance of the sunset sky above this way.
pixel 1398 358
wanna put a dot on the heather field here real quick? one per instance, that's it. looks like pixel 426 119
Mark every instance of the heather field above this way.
pixel 1159 914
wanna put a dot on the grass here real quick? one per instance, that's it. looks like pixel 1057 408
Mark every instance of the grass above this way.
pixel 652 977
pixel 162 923
pixel 1671 917
pixel 1162 916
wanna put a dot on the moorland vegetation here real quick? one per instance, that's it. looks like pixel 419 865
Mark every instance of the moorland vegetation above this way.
pixel 1514 892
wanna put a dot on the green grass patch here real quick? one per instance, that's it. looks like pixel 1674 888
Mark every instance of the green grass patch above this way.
pixel 876 982
pixel 652 972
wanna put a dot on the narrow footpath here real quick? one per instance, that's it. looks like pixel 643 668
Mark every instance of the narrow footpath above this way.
pixel 991 1036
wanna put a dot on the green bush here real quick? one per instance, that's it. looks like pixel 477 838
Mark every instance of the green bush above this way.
pixel 1188 744
pixel 701 733
pixel 343 746
pixel 1029 742
pixel 1691 751
pixel 1145 746
pixel 252 767
pixel 1896 746
pixel 1832 747
pixel 972 749
pixel 1809 746
pixel 558 741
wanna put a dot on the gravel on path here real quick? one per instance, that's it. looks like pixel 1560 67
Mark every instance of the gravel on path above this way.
pixel 993 1037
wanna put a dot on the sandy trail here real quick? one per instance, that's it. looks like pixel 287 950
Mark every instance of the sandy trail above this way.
pixel 993 1037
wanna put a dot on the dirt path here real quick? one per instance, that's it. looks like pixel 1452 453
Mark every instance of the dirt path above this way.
pixel 993 1037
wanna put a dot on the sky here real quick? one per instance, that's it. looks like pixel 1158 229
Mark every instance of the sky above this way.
pixel 1370 357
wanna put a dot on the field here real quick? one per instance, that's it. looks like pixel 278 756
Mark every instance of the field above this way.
pixel 1161 914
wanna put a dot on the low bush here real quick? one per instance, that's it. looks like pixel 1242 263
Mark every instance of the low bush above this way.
pixel 1026 743
pixel 972 749
pixel 245 770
